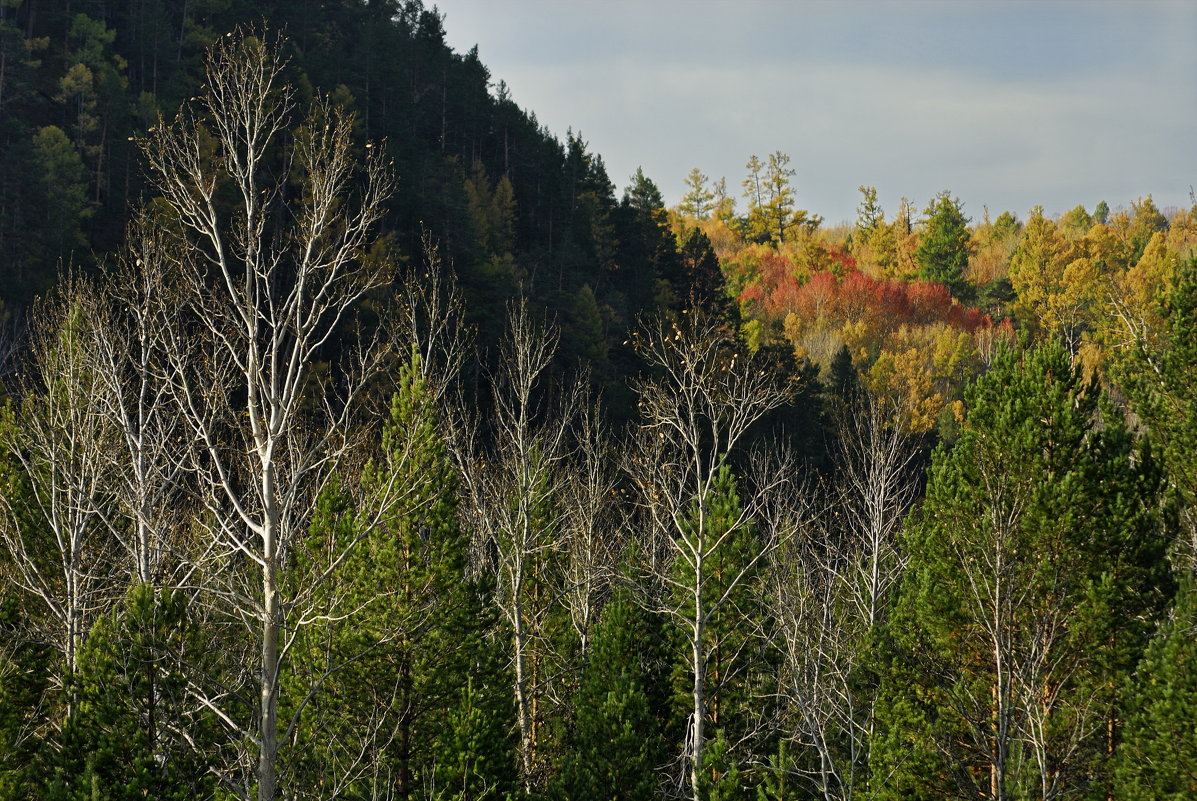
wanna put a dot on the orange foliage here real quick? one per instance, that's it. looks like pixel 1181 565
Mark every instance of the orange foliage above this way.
pixel 887 303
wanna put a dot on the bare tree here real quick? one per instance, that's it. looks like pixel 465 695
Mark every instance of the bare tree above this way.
pixel 264 277
pixel 55 443
pixel 591 525
pixel 878 481
pixel 511 486
pixel 431 317
pixel 132 392
pixel 694 412
pixel 832 587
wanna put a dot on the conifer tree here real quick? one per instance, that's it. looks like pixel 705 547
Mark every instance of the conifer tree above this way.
pixel 699 200
pixel 943 249
pixel 722 592
pixel 24 676
pixel 130 706
pixel 476 753
pixel 1157 758
pixel 699 283
pixel 615 748
pixel 705 549
pixel 1158 749
pixel 417 663
pixel 1159 376
pixel 1036 568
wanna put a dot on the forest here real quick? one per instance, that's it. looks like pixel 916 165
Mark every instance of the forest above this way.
pixel 358 441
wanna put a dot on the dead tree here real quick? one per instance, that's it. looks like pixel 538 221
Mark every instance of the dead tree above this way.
pixel 133 394
pixel 705 394
pixel 55 443
pixel 512 474
pixel 264 275
pixel 832 587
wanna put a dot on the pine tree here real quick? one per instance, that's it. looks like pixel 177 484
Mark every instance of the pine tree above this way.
pixel 700 283
pixel 129 707
pixel 1158 750
pixel 418 663
pixel 1157 758
pixel 476 751
pixel 614 748
pixel 717 596
pixel 24 676
pixel 1036 570
pixel 1160 376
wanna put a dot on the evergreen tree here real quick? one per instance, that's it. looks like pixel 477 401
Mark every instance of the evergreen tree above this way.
pixel 943 249
pixel 64 193
pixel 24 717
pixel 1160 376
pixel 1158 750
pixel 652 266
pixel 417 667
pixel 614 748
pixel 700 283
pixel 717 597
pixel 772 215
pixel 1157 758
pixel 1036 567
pixel 130 713
pixel 476 751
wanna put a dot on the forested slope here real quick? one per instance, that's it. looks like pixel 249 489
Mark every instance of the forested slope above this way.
pixel 511 207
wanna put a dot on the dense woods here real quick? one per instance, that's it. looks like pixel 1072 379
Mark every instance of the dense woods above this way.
pixel 358 442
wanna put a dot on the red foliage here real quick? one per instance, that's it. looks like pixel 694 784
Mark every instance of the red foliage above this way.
pixel 887 304
pixel 778 276
pixel 845 262
pixel 836 292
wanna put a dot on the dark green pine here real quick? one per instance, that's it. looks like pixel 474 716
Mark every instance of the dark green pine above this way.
pixel 1157 758
pixel 614 749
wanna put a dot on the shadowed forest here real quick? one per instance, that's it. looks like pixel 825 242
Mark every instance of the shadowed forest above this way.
pixel 361 440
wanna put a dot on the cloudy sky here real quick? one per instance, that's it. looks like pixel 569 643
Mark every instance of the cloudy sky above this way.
pixel 1006 103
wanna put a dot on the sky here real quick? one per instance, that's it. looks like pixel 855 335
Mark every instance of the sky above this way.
pixel 1007 104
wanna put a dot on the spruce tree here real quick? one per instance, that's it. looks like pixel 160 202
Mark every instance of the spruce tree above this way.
pixel 943 248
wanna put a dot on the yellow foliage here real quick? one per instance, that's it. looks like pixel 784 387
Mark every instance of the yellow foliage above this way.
pixel 793 329
pixel 857 335
pixel 1182 233
pixel 1150 278
pixel 877 252
pixel 904 378
pixel 1059 290
pixel 724 241
pixel 906 242
pixel 953 354
pixel 1091 357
